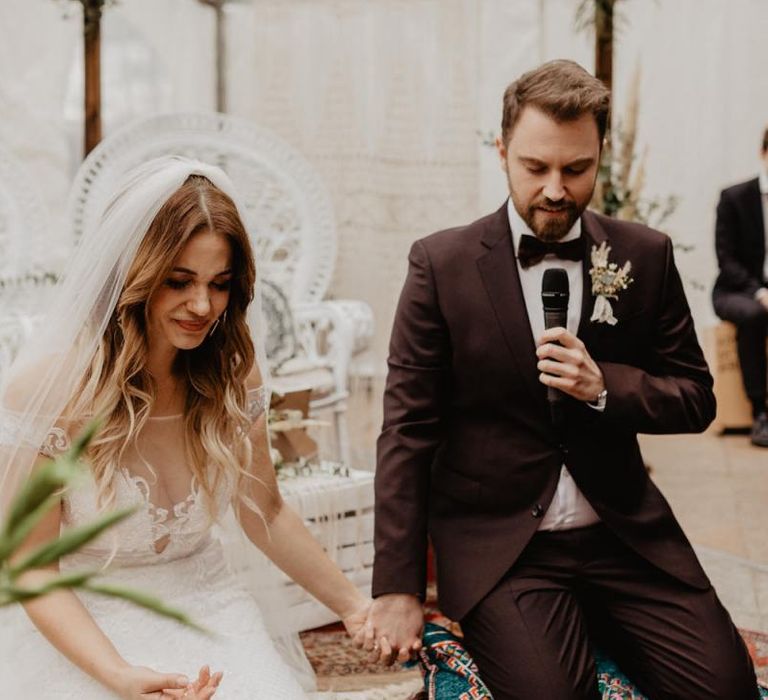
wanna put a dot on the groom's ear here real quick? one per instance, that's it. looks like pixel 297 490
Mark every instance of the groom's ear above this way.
pixel 501 149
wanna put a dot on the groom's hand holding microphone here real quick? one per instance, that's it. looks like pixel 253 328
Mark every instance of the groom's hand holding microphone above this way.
pixel 566 365
pixel 563 360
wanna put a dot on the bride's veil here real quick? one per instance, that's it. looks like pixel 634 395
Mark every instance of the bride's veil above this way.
pixel 38 385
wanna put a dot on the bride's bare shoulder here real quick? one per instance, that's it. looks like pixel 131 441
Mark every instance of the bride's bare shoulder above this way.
pixel 42 386
pixel 35 378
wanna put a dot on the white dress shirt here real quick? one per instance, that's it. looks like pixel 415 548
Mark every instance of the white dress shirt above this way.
pixel 569 508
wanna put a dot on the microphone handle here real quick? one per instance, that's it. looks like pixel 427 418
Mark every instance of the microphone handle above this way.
pixel 553 319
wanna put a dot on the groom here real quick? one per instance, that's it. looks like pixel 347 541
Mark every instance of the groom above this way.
pixel 550 539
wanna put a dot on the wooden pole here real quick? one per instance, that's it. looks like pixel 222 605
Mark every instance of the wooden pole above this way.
pixel 92 45
pixel 604 41
pixel 221 52
pixel 221 59
pixel 604 192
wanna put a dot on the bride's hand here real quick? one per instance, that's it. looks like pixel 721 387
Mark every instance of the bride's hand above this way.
pixel 355 620
pixel 202 689
pixel 141 683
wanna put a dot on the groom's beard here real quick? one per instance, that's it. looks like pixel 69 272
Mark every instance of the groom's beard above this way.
pixel 549 220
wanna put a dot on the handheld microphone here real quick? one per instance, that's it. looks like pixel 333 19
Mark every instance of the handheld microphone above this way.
pixel 554 298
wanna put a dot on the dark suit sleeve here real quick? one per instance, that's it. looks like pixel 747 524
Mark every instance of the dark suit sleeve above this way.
pixel 672 393
pixel 419 371
pixel 733 274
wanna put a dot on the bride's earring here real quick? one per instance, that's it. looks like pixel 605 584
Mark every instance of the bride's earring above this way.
pixel 222 318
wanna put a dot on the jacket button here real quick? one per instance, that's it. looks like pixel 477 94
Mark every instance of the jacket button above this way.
pixel 537 511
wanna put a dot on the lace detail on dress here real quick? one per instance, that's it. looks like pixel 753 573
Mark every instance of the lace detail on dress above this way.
pixel 167 525
pixel 256 401
pixel 13 433
pixel 56 442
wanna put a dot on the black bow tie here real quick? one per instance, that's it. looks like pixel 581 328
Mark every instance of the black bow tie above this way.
pixel 532 250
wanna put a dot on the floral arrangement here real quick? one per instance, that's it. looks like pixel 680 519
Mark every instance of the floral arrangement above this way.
pixel 282 421
pixel 608 279
pixel 291 462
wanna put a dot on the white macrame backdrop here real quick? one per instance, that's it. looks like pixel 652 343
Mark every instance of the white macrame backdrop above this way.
pixel 380 97
pixel 390 101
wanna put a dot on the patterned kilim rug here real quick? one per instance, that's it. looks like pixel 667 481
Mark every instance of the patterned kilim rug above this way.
pixel 340 666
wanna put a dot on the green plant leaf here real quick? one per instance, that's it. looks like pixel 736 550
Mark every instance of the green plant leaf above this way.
pixel 50 478
pixel 83 440
pixel 145 601
pixel 36 497
pixel 46 481
pixel 69 541
pixel 17 594
pixel 9 542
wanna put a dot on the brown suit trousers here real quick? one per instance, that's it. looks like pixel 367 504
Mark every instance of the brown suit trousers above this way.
pixel 572 592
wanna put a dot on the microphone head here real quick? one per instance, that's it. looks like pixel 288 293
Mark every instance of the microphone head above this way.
pixel 554 289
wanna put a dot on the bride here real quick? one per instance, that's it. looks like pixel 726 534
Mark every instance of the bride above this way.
pixel 156 330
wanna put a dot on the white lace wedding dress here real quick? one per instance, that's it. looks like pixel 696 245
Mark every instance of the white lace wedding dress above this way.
pixel 167 549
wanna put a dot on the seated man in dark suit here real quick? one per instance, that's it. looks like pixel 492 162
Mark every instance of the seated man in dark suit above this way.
pixel 741 290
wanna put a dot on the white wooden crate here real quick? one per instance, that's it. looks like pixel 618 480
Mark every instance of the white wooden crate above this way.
pixel 339 512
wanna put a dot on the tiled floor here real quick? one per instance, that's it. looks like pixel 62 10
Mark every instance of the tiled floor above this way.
pixel 717 486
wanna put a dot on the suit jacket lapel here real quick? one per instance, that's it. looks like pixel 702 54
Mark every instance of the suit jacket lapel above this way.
pixel 498 270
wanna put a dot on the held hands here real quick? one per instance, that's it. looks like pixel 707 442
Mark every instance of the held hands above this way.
pixel 140 683
pixel 393 629
pixel 355 620
pixel 568 368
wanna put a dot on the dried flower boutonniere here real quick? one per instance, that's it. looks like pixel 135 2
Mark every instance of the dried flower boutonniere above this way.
pixel 608 279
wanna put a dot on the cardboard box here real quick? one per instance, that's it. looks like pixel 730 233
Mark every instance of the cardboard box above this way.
pixel 294 444
pixel 734 410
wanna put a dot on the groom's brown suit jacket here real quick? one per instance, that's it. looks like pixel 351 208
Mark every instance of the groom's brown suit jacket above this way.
pixel 468 454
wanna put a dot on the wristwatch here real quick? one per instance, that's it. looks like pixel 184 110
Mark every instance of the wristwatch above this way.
pixel 600 400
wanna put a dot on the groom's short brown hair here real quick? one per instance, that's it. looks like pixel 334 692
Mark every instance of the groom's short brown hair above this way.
pixel 563 90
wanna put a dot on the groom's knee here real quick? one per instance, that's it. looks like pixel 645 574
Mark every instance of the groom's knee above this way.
pixel 515 668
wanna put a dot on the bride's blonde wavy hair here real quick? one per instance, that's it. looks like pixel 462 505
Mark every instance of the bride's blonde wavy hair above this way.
pixel 117 387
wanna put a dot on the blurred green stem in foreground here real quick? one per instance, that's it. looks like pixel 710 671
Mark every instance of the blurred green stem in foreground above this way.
pixel 36 498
